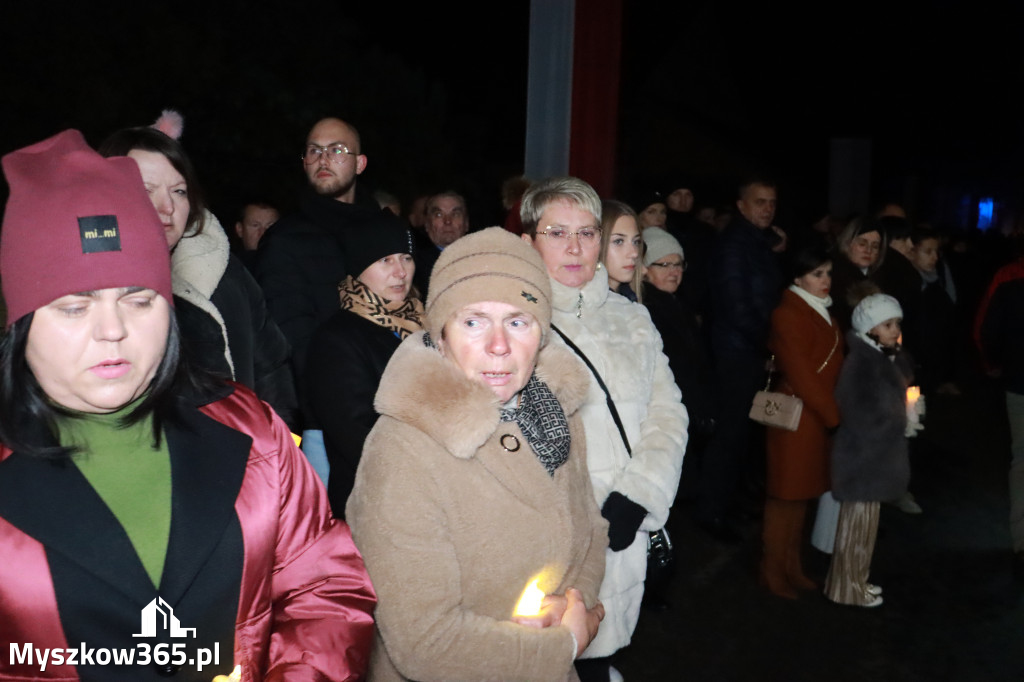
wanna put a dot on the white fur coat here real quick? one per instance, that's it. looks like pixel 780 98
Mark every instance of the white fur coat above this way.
pixel 622 343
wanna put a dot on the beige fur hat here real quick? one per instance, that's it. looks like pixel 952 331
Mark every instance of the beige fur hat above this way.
pixel 489 265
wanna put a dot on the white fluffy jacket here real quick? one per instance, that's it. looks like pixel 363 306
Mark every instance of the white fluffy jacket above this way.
pixel 624 346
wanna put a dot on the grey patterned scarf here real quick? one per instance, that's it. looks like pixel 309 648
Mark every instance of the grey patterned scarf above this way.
pixel 541 419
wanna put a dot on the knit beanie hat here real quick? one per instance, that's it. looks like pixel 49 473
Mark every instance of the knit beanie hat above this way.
pixel 76 221
pixel 489 265
pixel 647 198
pixel 874 310
pixel 659 244
pixel 380 236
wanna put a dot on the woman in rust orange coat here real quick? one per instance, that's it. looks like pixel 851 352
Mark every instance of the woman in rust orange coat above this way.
pixel 806 342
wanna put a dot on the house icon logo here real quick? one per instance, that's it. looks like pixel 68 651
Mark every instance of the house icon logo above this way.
pixel 158 615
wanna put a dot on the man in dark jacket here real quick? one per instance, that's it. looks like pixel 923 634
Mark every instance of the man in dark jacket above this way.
pixel 301 257
pixel 745 285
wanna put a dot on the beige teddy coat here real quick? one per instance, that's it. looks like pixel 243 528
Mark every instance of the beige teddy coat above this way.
pixel 453 527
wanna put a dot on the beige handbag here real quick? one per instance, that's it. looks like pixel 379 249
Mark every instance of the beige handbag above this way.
pixel 776 409
pixel 779 409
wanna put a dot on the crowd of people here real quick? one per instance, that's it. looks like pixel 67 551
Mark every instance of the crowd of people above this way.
pixel 492 423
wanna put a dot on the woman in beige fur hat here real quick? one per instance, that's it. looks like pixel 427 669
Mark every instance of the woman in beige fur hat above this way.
pixel 473 491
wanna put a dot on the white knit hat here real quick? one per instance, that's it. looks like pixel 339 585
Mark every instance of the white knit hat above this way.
pixel 659 244
pixel 874 310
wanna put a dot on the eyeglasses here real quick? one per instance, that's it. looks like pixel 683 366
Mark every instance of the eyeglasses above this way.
pixel 681 265
pixel 333 152
pixel 586 235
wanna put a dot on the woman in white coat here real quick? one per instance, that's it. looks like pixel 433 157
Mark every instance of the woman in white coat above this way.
pixel 634 483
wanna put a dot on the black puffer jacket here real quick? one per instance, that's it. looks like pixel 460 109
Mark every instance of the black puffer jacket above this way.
pixel 300 262
pixel 746 284
pixel 224 323
pixel 870 462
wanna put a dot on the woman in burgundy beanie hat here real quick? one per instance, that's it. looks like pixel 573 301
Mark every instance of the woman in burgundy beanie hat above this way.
pixel 132 487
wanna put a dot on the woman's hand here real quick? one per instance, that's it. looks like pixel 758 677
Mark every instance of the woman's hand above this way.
pixel 580 620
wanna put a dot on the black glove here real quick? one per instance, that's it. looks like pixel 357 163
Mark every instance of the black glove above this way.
pixel 624 519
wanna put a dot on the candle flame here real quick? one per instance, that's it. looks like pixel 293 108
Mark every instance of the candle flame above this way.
pixel 913 393
pixel 529 603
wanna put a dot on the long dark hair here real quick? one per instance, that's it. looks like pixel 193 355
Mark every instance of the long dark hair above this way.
pixel 29 419
pixel 152 140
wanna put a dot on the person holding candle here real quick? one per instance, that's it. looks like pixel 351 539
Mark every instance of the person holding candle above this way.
pixel 807 346
pixel 130 482
pixel 473 484
pixel 870 462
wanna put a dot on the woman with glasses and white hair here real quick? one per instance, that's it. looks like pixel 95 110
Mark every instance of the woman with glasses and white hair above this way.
pixel 634 453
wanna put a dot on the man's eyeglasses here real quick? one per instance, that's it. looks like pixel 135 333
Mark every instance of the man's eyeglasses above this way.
pixel 335 152
pixel 586 235
pixel 681 265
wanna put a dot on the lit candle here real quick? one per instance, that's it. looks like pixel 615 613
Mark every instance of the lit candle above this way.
pixel 529 603
pixel 915 408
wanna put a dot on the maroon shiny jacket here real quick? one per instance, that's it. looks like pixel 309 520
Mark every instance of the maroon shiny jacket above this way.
pixel 254 562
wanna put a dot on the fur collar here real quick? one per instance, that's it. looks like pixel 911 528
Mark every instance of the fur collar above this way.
pixel 590 296
pixel 198 264
pixel 423 389
pixel 198 261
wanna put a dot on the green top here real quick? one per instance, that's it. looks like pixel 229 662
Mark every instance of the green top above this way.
pixel 131 476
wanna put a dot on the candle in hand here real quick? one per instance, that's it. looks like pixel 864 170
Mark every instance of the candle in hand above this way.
pixel 529 603
pixel 915 408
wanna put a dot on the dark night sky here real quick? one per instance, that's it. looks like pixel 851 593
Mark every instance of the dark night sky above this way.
pixel 716 89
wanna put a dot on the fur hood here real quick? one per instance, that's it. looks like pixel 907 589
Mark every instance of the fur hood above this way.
pixel 420 387
pixel 198 264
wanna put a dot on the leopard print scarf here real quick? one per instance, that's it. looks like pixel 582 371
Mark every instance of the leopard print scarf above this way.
pixel 401 317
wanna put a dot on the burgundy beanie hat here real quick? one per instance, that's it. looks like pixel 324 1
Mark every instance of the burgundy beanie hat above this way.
pixel 76 221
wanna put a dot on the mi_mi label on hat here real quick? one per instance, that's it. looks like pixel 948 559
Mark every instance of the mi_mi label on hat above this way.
pixel 99 233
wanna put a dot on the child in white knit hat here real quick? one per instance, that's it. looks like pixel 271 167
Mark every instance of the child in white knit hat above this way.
pixel 870 463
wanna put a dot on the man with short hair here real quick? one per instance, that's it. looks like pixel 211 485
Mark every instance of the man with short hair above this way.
pixel 301 258
pixel 746 284
pixel 446 219
pixel 253 221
